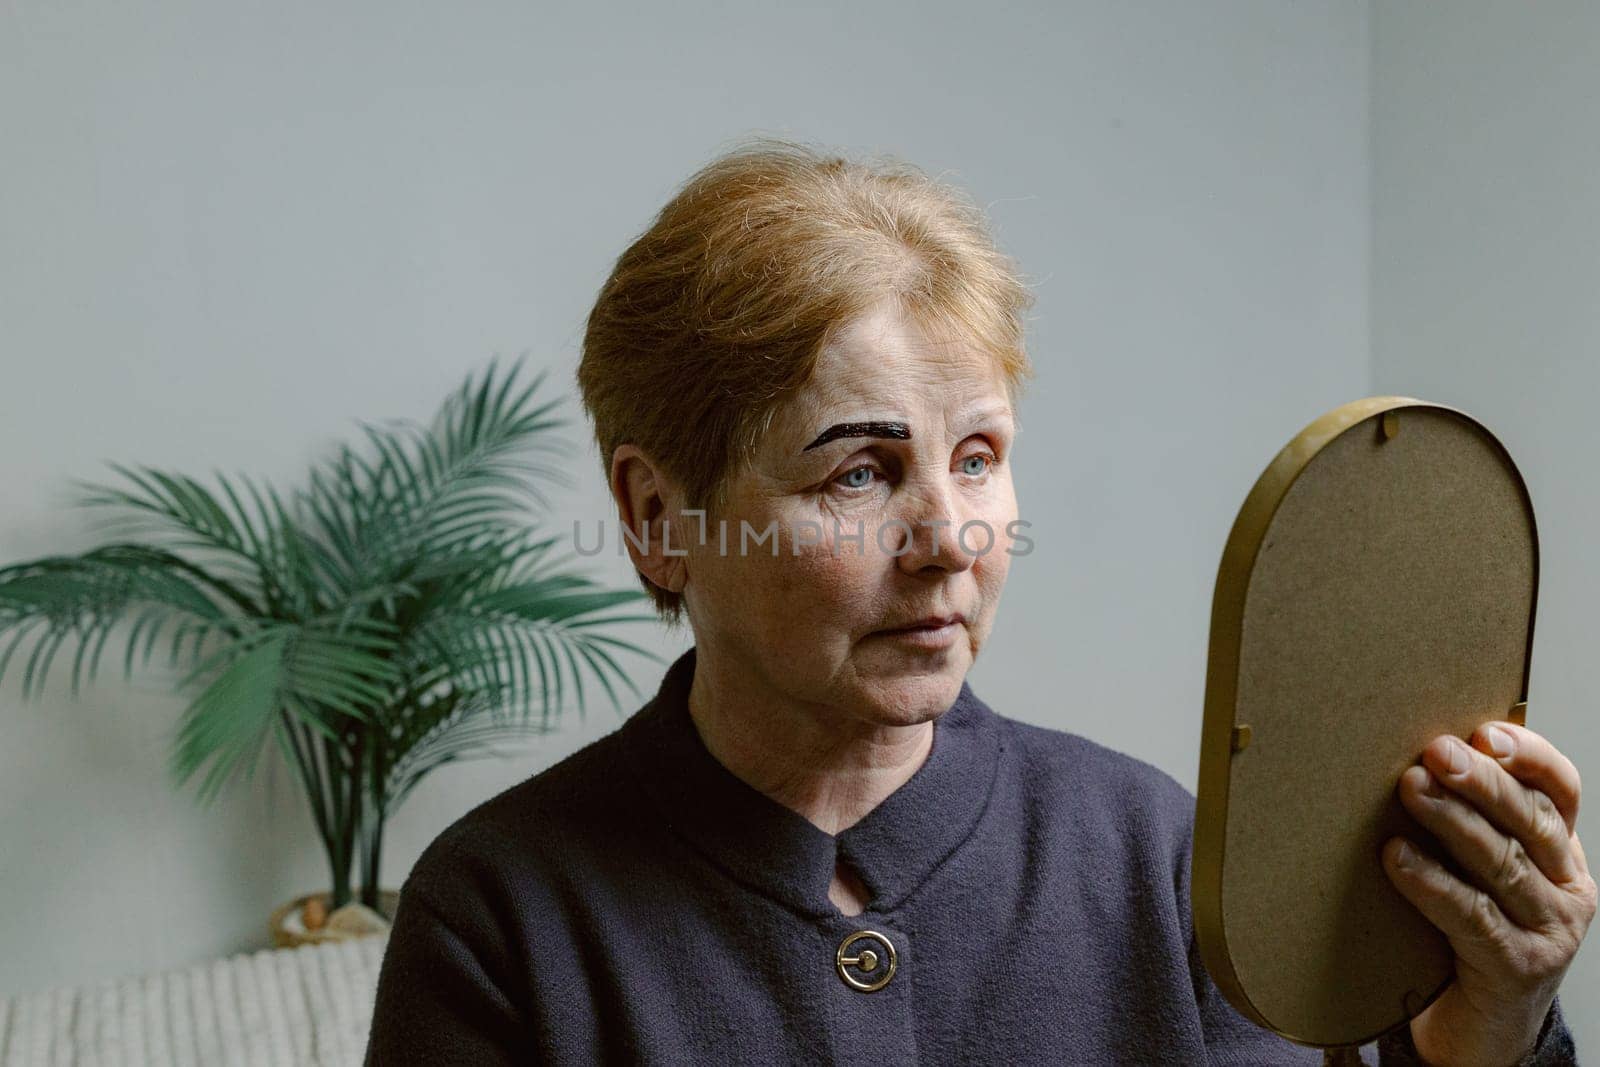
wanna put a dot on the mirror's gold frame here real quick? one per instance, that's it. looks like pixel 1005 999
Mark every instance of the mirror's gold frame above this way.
pixel 1218 738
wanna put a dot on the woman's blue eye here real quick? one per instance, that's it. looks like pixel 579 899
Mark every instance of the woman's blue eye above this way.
pixel 984 459
pixel 851 473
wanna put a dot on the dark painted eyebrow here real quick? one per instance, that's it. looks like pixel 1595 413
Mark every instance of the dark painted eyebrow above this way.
pixel 898 430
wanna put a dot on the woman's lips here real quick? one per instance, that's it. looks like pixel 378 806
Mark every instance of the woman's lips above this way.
pixel 924 636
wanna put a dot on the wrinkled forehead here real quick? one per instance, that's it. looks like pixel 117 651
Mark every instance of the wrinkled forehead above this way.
pixel 885 365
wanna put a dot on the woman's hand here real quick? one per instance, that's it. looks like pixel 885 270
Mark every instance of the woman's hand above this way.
pixel 1507 809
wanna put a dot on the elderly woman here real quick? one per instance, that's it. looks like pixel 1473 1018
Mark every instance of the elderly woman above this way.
pixel 816 843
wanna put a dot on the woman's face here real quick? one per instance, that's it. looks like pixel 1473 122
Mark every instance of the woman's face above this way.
pixel 896 446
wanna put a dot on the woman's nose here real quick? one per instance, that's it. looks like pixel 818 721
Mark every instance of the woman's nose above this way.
pixel 929 532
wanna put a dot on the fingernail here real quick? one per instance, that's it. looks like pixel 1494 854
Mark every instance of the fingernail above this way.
pixel 1500 742
pixel 1458 755
pixel 1403 856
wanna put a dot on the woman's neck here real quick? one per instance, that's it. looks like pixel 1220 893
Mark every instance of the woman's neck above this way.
pixel 815 759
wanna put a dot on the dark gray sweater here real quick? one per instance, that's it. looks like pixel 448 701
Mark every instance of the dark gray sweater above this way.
pixel 639 903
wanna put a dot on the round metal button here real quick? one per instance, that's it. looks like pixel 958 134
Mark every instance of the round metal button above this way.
pixel 867 960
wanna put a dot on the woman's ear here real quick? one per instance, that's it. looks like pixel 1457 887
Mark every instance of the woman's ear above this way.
pixel 647 507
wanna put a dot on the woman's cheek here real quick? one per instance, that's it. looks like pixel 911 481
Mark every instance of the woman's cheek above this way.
pixel 819 578
pixel 999 512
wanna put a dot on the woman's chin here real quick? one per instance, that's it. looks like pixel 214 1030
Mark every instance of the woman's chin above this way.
pixel 917 681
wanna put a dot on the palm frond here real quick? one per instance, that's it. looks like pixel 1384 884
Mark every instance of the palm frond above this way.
pixel 318 673
pixel 498 640
pixel 442 731
pixel 226 723
pixel 84 596
pixel 427 492
pixel 189 516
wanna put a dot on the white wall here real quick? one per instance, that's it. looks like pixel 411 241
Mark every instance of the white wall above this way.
pixel 1485 274
pixel 227 231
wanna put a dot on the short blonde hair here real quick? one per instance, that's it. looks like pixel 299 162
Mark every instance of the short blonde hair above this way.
pixel 720 309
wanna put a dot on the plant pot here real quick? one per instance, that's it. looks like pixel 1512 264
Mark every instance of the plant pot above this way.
pixel 288 929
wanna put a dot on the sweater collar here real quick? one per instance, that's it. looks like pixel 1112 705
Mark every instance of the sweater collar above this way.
pixel 760 841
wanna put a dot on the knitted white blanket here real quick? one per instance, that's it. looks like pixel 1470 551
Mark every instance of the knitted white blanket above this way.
pixel 308 1005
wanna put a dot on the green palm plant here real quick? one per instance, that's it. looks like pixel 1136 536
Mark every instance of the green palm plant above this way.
pixel 403 611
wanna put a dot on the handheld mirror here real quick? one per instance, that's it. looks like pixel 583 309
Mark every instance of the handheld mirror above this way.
pixel 1376 590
